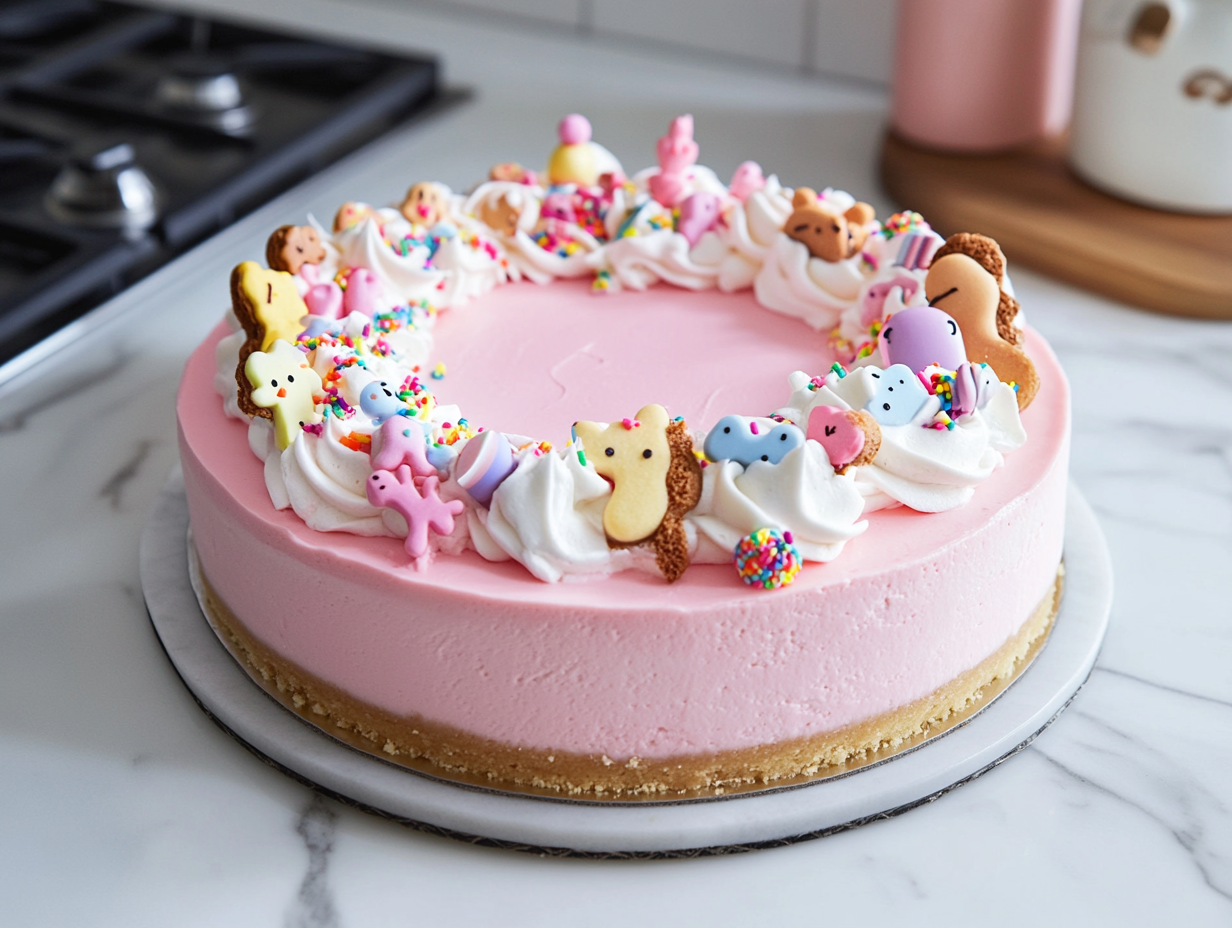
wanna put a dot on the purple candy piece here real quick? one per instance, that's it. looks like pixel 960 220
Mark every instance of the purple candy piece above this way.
pixel 483 465
pixel 920 336
pixel 698 215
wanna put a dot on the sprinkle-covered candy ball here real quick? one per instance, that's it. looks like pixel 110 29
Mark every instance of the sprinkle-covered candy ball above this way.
pixel 767 558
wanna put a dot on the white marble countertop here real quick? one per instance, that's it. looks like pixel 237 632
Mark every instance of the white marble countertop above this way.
pixel 122 804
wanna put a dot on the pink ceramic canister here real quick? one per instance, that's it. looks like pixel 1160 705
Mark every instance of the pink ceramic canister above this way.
pixel 983 75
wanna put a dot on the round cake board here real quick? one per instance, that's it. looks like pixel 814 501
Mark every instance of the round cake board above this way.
pixel 691 827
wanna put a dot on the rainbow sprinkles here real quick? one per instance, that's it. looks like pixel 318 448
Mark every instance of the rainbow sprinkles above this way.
pixel 330 362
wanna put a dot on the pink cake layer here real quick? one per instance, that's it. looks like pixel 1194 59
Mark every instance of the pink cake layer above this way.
pixel 629 666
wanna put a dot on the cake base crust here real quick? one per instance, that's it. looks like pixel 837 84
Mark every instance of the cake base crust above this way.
pixel 454 754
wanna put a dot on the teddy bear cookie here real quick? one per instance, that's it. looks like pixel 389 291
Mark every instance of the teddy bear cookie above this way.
pixel 828 234
pixel 655 480
pixel 965 279
pixel 268 306
pixel 282 383
pixel 501 215
pixel 291 247
pixel 424 205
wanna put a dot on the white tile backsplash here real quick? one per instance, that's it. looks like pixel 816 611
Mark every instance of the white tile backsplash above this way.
pixel 851 38
pixel 767 30
pixel 854 38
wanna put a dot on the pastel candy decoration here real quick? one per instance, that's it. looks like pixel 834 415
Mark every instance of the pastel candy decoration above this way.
pixel 922 335
pixel 899 395
pixel 699 213
pixel 324 300
pixel 875 297
pixel 558 206
pixel 363 290
pixel 379 402
pixel 917 250
pixel 574 161
pixel 973 388
pixel 422 507
pixel 283 382
pixel 441 456
pixel 736 438
pixel 677 153
pixel 747 180
pixel 483 465
pixel 767 559
pixel 401 441
pixel 850 436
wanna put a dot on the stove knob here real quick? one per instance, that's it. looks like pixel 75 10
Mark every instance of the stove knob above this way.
pixel 104 188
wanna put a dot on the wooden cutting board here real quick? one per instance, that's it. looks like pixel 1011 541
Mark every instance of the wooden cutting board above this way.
pixel 1047 219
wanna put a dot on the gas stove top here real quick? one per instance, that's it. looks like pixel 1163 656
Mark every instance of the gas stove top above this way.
pixel 128 134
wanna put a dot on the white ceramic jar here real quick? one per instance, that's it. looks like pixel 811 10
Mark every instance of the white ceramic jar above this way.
pixel 1153 102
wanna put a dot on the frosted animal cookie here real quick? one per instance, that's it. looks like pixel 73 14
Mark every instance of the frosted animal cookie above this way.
pixel 656 479
pixel 282 382
pixel 677 154
pixel 268 307
pixel 965 279
pixel 899 395
pixel 851 437
pixel 291 247
pixel 744 440
pixel 420 505
pixel 828 234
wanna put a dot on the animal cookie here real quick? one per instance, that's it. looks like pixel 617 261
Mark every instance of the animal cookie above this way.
pixel 851 437
pixel 282 382
pixel 501 216
pixel 513 172
pixel 699 213
pixel 424 205
pixel 920 336
pixel 421 506
pixel 379 402
pixel 655 480
pixel 291 247
pixel 400 441
pixel 677 154
pixel 735 438
pixel 269 307
pixel 899 395
pixel 965 279
pixel 351 214
pixel 829 235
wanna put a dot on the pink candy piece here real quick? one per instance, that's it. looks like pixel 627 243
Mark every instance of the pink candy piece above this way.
pixel 401 442
pixel 875 297
pixel 558 206
pixel 699 214
pixel 677 153
pixel 324 300
pixel 920 336
pixel 363 289
pixel 831 428
pixel 747 180
pixel 966 392
pixel 574 129
pixel 423 509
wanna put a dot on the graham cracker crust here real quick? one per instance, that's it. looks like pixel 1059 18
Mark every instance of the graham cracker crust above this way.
pixel 446 752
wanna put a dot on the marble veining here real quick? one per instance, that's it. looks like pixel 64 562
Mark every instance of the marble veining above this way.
pixel 124 805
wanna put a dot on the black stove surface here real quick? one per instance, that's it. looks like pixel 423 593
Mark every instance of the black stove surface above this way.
pixel 127 135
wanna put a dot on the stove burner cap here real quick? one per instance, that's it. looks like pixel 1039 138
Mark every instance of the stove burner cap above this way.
pixel 104 188
pixel 202 89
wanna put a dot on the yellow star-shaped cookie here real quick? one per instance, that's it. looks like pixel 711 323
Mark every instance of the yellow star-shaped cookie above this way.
pixel 283 382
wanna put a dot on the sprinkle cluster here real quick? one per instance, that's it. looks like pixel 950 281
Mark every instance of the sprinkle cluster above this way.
pixel 767 558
